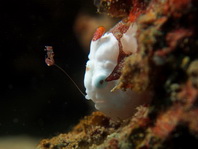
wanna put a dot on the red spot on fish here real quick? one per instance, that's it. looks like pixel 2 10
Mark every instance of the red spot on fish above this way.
pixel 98 34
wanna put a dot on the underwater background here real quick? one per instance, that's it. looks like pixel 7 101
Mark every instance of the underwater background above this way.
pixel 37 100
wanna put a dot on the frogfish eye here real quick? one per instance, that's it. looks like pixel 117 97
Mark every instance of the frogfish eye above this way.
pixel 99 82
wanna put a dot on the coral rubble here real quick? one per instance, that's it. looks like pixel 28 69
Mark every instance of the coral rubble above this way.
pixel 167 63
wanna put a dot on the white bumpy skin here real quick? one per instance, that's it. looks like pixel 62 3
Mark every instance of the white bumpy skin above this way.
pixel 102 61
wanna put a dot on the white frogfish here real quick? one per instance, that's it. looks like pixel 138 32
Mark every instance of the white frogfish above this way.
pixel 107 53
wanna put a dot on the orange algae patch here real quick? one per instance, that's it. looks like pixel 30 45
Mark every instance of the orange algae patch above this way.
pixel 176 7
pixel 87 68
pixel 172 39
pixel 179 4
pixel 137 9
pixel 167 122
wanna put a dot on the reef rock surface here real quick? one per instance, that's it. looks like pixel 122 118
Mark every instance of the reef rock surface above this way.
pixel 167 63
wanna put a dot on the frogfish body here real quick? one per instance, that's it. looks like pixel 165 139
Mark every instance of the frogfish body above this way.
pixel 103 69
